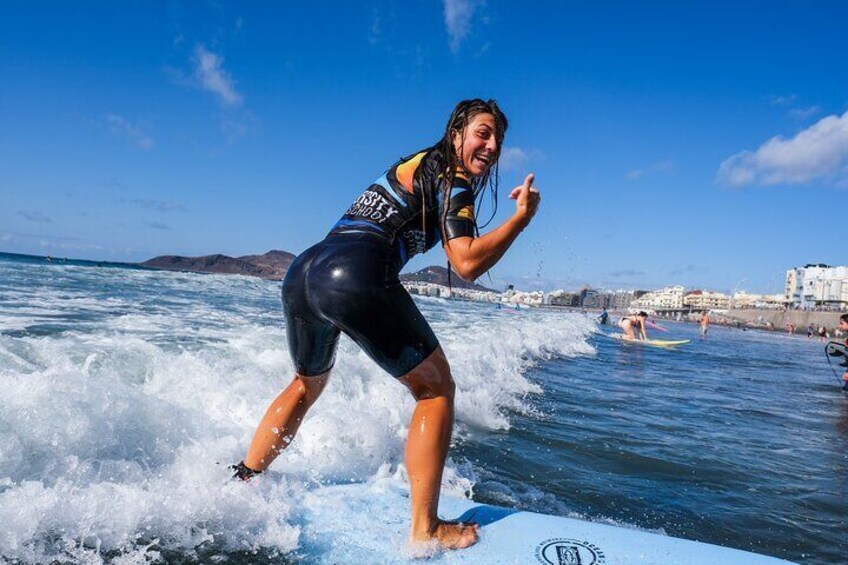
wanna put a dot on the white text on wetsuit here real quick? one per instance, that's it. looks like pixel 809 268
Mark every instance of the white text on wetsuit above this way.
pixel 373 206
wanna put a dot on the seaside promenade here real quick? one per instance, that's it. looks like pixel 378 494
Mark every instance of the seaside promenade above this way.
pixel 779 318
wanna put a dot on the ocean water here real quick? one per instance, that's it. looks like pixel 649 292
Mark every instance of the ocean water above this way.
pixel 126 393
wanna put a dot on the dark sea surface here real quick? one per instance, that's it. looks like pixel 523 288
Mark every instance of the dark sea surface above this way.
pixel 127 392
pixel 739 439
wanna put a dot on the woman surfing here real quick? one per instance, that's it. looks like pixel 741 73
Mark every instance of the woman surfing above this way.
pixel 349 283
pixel 633 326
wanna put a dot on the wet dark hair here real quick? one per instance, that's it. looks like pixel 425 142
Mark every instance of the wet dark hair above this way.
pixel 642 314
pixel 449 161
pixel 844 318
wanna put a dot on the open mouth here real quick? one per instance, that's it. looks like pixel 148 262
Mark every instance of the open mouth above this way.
pixel 485 160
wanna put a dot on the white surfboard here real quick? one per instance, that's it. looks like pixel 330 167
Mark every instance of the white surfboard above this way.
pixel 368 523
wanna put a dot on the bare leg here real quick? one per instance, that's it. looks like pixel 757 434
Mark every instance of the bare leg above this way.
pixel 426 449
pixel 282 419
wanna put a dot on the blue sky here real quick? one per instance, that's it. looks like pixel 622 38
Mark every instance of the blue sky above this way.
pixel 703 144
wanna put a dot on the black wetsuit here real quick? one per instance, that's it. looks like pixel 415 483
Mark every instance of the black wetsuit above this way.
pixel 349 281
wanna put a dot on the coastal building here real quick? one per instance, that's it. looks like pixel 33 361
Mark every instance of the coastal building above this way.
pixel 564 298
pixel 590 298
pixel 619 300
pixel 742 299
pixel 816 285
pixel 422 288
pixel 668 298
pixel 706 300
pixel 535 298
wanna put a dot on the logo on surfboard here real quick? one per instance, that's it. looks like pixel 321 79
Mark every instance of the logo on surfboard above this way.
pixel 564 551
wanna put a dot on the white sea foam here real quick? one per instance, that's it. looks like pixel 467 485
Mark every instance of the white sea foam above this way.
pixel 115 432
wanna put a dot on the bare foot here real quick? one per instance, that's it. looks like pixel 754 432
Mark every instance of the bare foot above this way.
pixel 447 535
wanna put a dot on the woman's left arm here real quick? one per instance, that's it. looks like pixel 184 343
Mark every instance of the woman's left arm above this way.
pixel 471 257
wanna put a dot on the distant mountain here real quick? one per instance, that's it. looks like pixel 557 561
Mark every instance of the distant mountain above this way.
pixel 274 259
pixel 439 275
pixel 272 265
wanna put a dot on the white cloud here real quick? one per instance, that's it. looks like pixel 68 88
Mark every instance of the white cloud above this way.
pixel 803 113
pixel 514 158
pixel 818 153
pixel 210 75
pixel 784 100
pixel 666 166
pixel 458 16
pixel 123 127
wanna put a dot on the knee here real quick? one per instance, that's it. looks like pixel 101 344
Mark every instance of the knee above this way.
pixel 442 386
pixel 432 378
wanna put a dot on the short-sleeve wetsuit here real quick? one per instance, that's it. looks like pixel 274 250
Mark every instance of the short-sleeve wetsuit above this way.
pixel 349 281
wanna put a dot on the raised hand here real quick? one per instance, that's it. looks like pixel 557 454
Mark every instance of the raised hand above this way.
pixel 526 198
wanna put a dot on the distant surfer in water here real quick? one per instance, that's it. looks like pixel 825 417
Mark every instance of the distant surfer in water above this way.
pixel 602 319
pixel 633 326
pixel 349 283
pixel 705 323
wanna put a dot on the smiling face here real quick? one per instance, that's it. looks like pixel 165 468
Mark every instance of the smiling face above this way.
pixel 477 145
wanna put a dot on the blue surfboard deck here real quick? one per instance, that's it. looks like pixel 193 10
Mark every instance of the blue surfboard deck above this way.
pixel 368 523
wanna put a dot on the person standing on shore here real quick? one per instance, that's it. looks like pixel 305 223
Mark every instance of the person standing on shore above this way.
pixel 705 324
pixel 349 283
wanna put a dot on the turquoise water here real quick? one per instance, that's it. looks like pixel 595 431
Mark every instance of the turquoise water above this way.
pixel 128 391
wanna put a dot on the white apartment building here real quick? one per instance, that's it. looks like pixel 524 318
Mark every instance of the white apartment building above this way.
pixel 817 285
pixel 706 300
pixel 742 299
pixel 668 298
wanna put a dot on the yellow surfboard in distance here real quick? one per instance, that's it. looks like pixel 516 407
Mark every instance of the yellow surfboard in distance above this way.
pixel 652 342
